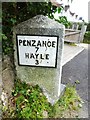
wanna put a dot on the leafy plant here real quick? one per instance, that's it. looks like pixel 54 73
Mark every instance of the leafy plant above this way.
pixel 14 13
pixel 29 102
pixel 77 82
pixel 64 21
pixel 87 37
pixel 88 26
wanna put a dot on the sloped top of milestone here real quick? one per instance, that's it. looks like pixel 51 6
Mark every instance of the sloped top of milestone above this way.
pixel 40 21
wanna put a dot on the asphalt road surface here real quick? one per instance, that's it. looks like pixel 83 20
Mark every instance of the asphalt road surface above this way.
pixel 77 69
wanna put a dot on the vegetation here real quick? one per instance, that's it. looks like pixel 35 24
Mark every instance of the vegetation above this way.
pixel 87 37
pixel 64 21
pixel 29 102
pixel 70 101
pixel 80 26
pixel 88 26
pixel 17 12
pixel 70 43
pixel 87 34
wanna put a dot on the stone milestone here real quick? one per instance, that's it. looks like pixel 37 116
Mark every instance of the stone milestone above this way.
pixel 38 44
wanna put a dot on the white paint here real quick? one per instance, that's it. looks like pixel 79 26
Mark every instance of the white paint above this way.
pixel 46 55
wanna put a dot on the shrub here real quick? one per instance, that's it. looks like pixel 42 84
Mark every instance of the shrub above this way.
pixel 87 37
pixel 14 13
pixel 88 26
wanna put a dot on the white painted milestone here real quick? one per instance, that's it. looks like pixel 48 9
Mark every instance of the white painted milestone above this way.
pixel 34 50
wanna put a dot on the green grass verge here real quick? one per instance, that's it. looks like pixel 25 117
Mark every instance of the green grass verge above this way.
pixel 70 43
pixel 86 41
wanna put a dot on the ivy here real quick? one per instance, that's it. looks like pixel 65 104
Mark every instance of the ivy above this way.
pixel 14 13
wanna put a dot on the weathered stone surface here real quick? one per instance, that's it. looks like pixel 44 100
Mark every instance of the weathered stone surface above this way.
pixel 7 76
pixel 49 79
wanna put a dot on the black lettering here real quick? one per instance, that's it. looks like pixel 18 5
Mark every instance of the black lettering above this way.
pixel 29 43
pixel 36 55
pixel 37 48
pixel 37 62
pixel 41 56
pixel 49 44
pixel 39 43
pixel 53 44
pixel 33 43
pixel 47 56
pixel 24 42
pixel 20 41
pixel 43 43
pixel 32 56
pixel 26 55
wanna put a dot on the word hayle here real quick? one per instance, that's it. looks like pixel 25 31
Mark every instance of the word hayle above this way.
pixel 37 50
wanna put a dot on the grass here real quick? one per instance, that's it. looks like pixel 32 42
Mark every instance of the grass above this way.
pixel 70 43
pixel 86 41
pixel 69 102
pixel 87 37
pixel 29 102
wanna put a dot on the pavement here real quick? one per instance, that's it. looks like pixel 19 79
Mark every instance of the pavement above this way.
pixel 77 69
pixel 71 51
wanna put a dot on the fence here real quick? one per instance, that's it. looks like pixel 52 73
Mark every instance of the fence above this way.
pixel 75 35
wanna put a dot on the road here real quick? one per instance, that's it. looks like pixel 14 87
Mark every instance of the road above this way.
pixel 77 69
